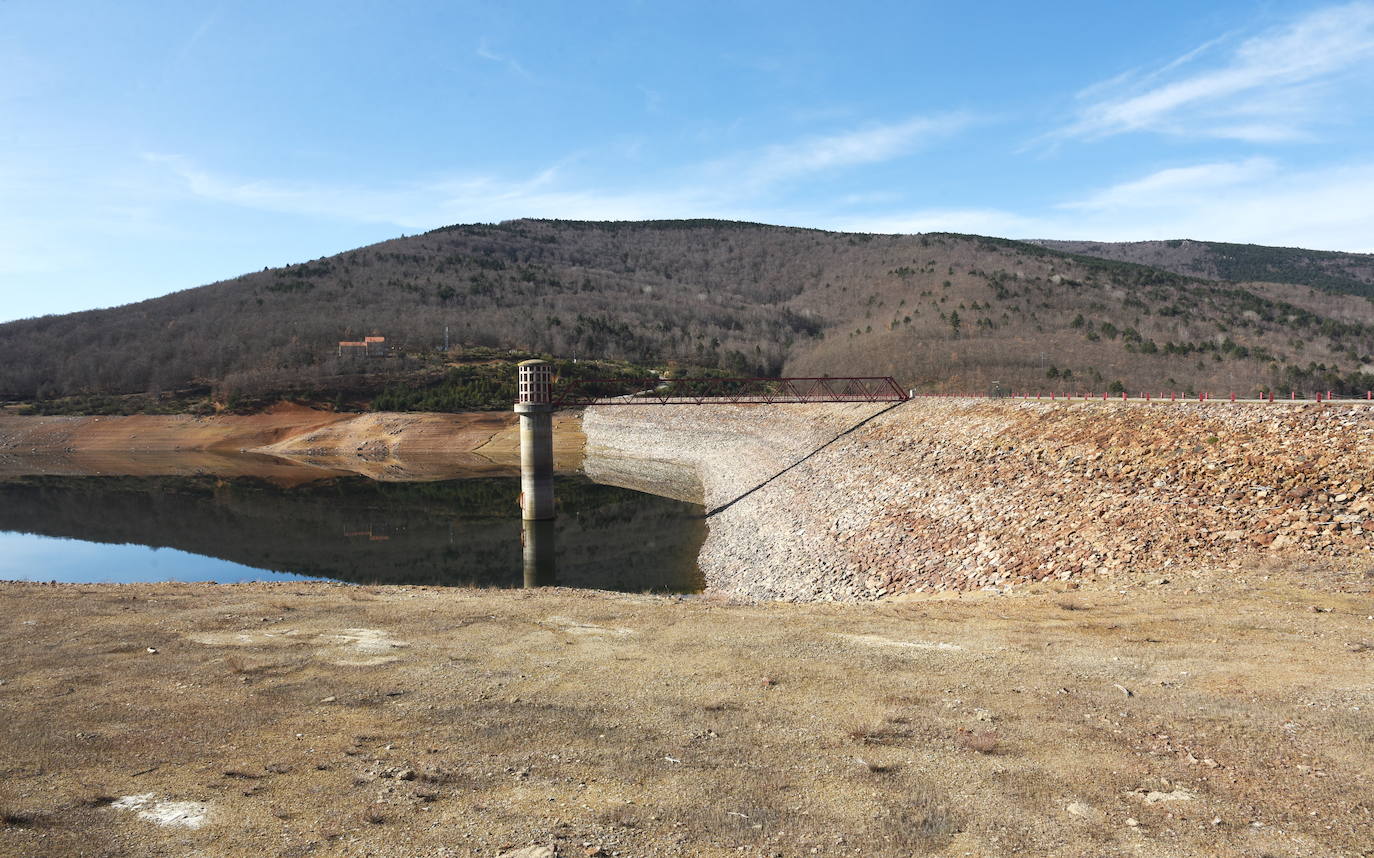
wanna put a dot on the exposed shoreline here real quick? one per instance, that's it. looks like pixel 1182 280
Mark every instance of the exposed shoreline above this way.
pixel 286 443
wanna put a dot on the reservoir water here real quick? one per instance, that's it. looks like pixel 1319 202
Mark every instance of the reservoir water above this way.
pixel 452 532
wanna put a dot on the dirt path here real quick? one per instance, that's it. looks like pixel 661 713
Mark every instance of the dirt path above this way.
pixel 1228 718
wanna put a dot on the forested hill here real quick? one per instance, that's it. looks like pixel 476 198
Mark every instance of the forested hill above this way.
pixel 1340 273
pixel 939 311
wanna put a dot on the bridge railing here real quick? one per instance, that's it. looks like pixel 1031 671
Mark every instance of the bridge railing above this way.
pixel 727 391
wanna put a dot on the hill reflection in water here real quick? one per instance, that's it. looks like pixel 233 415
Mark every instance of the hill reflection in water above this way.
pixel 457 532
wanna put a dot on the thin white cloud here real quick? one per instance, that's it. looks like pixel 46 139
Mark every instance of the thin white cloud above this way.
pixel 653 99
pixel 867 145
pixel 1271 87
pixel 1252 201
pixel 485 52
pixel 729 187
pixel 1177 185
pixel 443 200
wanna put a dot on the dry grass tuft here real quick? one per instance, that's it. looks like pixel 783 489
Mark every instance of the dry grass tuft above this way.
pixel 722 706
pixel 622 816
pixel 984 741
pixel 22 819
pixel 883 734
pixel 878 768
pixel 915 829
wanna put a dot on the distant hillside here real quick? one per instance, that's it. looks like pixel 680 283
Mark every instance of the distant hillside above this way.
pixel 941 312
pixel 1341 273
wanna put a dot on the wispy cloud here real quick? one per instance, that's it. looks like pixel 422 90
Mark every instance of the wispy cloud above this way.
pixel 1177 186
pixel 485 52
pixel 653 99
pixel 869 144
pixel 728 187
pixel 1250 201
pixel 1270 87
pixel 425 204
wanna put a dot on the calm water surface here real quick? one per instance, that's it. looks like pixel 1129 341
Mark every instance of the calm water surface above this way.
pixel 468 532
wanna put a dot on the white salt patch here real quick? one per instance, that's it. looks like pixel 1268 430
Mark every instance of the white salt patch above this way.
pixel 238 638
pixel 375 646
pixel 573 627
pixel 878 640
pixel 181 814
pixel 374 643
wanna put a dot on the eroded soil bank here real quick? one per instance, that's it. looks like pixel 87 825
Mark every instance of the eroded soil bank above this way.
pixel 284 443
pixel 819 502
pixel 1225 719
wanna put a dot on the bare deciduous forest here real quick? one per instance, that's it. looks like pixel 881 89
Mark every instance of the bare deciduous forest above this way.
pixel 941 312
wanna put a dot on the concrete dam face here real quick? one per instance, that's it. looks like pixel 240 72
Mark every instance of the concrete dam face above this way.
pixel 858 502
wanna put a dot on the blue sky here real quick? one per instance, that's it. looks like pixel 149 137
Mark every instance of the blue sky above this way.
pixel 152 146
pixel 30 557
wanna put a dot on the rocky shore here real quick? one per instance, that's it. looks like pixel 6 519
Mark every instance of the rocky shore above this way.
pixel 966 494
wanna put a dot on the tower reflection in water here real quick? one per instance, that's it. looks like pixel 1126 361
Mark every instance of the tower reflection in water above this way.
pixel 537 538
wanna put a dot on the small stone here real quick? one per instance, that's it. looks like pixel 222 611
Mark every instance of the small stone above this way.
pixel 406 774
pixel 529 852
pixel 1078 808
pixel 152 650
pixel 329 699
pixel 1131 822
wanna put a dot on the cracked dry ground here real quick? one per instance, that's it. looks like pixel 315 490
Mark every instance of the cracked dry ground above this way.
pixel 1186 718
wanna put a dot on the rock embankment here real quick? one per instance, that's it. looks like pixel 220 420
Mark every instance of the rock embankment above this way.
pixel 962 494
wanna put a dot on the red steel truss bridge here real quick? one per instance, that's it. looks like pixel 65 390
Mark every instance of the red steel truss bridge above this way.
pixel 576 393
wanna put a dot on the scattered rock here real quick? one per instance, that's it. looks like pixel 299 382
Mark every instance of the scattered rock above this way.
pixel 1078 808
pixel 530 852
